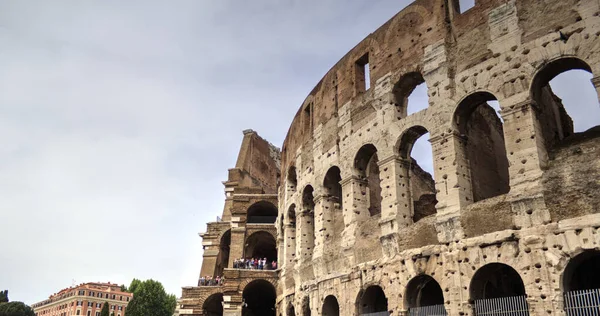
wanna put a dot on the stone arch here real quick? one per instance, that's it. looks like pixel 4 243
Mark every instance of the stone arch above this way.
pixel 332 186
pixel 402 89
pixel 555 122
pixel 331 307
pixel 307 228
pixel 367 169
pixel 423 291
pixel 259 298
pixel 262 212
pixel 223 256
pixel 371 300
pixel 582 272
pixel 482 131
pixel 213 306
pixel 292 179
pixel 306 306
pixel 261 244
pixel 419 183
pixel 496 280
pixel 290 311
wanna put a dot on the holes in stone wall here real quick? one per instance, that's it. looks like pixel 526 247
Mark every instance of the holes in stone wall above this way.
pixel 569 79
pixel 484 148
pixel 367 169
pixel 372 300
pixel 410 94
pixel 331 306
pixel 415 149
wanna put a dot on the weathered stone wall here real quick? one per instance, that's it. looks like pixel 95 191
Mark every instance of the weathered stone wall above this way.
pixel 522 191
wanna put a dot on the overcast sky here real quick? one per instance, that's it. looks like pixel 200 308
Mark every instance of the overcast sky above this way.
pixel 119 120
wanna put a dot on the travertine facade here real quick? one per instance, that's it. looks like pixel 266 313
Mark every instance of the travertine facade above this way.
pixel 512 209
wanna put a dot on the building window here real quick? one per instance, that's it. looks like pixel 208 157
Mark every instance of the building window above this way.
pixel 120 308
pixel 121 298
pixel 79 303
pixel 114 296
pixel 89 313
pixel 78 312
pixel 128 299
pixel 362 74
pixel 97 313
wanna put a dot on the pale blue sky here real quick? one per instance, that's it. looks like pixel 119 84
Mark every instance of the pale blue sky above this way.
pixel 119 120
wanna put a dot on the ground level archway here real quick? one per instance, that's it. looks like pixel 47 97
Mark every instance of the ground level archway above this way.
pixel 372 301
pixel 330 306
pixel 497 289
pixel 424 296
pixel 259 299
pixel 581 284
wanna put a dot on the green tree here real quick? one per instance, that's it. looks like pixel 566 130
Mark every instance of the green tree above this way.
pixel 4 296
pixel 150 298
pixel 15 309
pixel 134 285
pixel 104 311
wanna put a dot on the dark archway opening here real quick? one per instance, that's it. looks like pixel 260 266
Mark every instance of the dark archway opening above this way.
pixel 332 186
pixel 261 245
pixel 414 144
pixel 482 130
pixel 306 306
pixel 367 169
pixel 423 291
pixel 262 213
pixel 213 305
pixel 497 289
pixel 290 310
pixel 569 78
pixel 410 94
pixel 292 179
pixel 331 306
pixel 583 272
pixel 223 256
pixel 259 299
pixel 372 300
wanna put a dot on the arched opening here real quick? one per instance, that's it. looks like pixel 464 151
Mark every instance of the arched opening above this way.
pixel 259 299
pixel 308 224
pixel 581 284
pixel 290 311
pixel 417 154
pixel 498 289
pixel 306 306
pixel 424 296
pixel 567 101
pixel 290 236
pixel 367 169
pixel 331 306
pixel 482 130
pixel 223 256
pixel 332 186
pixel 292 180
pixel 410 94
pixel 262 212
pixel 213 305
pixel 371 301
pixel 261 245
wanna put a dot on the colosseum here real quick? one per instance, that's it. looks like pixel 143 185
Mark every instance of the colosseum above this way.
pixel 508 222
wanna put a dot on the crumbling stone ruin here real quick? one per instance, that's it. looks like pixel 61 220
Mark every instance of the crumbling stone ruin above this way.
pixel 507 224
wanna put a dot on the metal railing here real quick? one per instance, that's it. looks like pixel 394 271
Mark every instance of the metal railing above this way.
pixel 386 313
pixel 432 310
pixel 583 303
pixel 503 306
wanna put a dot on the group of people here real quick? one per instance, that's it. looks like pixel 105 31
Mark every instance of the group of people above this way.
pixel 254 263
pixel 210 281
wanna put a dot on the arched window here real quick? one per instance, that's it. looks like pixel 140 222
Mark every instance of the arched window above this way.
pixel 416 151
pixel 581 284
pixel 497 287
pixel 331 306
pixel 262 212
pixel 306 306
pixel 372 300
pixel 332 186
pixel 366 168
pixel 223 256
pixel 261 245
pixel 290 311
pixel 410 94
pixel 259 299
pixel 482 130
pixel 213 305
pixel 308 227
pixel 424 296
pixel 578 110
pixel 292 180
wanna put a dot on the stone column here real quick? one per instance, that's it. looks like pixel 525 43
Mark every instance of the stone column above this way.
pixel 452 183
pixel 538 282
pixel 209 259
pixel 319 241
pixel 238 240
pixel 527 157
pixel 289 246
pixel 596 83
pixel 305 246
pixel 396 201
pixel 355 210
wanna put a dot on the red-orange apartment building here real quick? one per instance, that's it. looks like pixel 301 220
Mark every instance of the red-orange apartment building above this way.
pixel 85 299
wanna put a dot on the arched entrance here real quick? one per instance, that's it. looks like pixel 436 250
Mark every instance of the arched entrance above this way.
pixel 223 256
pixel 366 167
pixel 262 212
pixel 290 311
pixel 581 284
pixel 259 299
pixel 372 302
pixel 331 306
pixel 424 296
pixel 213 305
pixel 497 289
pixel 306 306
pixel 261 245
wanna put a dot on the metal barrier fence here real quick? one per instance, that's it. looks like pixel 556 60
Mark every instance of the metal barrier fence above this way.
pixel 503 306
pixel 386 313
pixel 432 310
pixel 583 303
